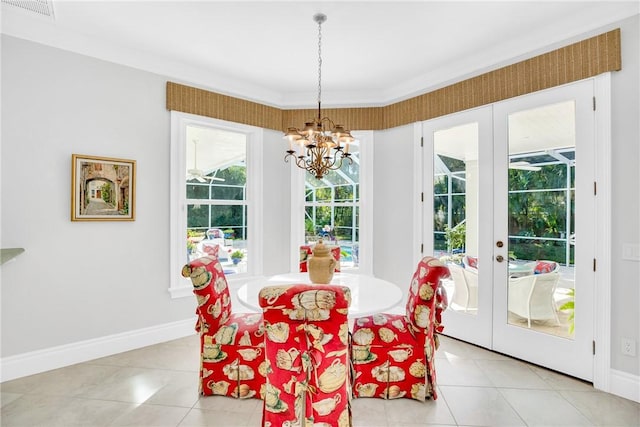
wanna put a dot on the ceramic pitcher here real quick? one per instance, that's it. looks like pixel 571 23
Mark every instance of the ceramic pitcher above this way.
pixel 321 264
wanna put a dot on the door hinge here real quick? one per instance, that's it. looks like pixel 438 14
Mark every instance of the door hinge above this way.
pixel 595 188
pixel 421 248
pixel 422 196
pixel 594 103
pixel 422 141
pixel 593 347
pixel 594 264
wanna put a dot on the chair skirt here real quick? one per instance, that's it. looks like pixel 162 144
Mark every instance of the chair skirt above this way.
pixel 392 360
pixel 232 358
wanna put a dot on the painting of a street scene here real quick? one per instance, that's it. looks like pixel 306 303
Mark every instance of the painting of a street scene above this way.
pixel 103 189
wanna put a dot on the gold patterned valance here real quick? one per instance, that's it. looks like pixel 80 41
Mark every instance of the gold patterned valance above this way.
pixel 577 61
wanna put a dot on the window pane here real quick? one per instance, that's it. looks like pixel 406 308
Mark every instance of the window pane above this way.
pixel 323 216
pixel 345 193
pixel 545 176
pixel 539 213
pixel 216 171
pixel 440 217
pixel 343 223
pixel 458 206
pixel 440 184
pixel 197 190
pixel 323 194
pixel 227 192
pixel 458 182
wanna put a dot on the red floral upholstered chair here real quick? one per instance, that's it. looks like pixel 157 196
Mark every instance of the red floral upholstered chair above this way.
pixel 307 250
pixel 306 347
pixel 231 345
pixel 393 354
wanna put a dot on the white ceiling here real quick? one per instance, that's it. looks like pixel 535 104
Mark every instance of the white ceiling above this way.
pixel 374 53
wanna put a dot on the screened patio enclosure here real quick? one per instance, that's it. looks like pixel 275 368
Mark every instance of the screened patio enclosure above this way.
pixel 537 180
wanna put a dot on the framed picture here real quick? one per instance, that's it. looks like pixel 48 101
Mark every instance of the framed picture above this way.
pixel 102 188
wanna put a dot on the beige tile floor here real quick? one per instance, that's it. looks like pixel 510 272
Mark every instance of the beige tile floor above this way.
pixel 157 386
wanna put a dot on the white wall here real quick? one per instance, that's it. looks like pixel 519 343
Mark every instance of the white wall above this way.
pixel 80 281
pixel 277 205
pixel 625 185
pixel 393 251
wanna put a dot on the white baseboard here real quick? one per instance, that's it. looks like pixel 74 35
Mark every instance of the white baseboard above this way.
pixel 624 385
pixel 22 365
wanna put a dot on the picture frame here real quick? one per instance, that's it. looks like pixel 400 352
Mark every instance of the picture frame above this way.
pixel 102 188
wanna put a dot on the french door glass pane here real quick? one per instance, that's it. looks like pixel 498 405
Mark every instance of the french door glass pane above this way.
pixel 456 212
pixel 541 214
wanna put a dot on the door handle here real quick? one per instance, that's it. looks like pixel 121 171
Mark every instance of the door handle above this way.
pixel 499 243
pixel 499 258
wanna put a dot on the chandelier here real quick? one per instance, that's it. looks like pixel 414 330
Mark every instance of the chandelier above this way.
pixel 318 147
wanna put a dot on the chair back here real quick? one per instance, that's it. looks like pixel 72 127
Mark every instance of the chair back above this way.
pixel 306 346
pixel 531 296
pixel 427 298
pixel 211 290
pixel 541 300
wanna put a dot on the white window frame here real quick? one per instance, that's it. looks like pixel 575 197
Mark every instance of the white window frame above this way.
pixel 365 206
pixel 179 287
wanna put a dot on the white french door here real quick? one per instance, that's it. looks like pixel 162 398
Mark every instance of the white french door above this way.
pixel 550 135
pixel 458 155
pixel 512 187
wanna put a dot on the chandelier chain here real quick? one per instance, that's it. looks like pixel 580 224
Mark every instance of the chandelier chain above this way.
pixel 319 62
pixel 321 146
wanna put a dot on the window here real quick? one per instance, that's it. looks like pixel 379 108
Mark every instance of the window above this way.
pixel 213 200
pixel 332 207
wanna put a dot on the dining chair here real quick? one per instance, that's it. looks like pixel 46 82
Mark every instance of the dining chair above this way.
pixel 231 344
pixel 306 348
pixel 532 297
pixel 393 354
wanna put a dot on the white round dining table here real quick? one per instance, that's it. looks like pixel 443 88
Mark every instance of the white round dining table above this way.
pixel 369 295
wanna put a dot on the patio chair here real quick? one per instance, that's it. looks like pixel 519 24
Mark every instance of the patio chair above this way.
pixel 393 354
pixel 306 348
pixel 465 291
pixel 231 345
pixel 531 297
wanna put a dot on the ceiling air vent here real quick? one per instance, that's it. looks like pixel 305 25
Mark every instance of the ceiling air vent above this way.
pixel 43 8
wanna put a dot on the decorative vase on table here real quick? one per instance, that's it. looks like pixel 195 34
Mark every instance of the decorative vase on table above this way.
pixel 321 264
